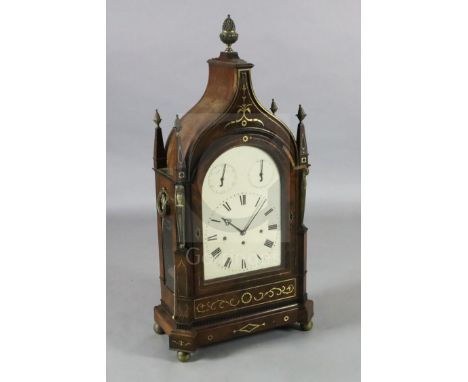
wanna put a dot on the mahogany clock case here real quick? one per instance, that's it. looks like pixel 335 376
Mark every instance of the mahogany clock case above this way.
pixel 196 312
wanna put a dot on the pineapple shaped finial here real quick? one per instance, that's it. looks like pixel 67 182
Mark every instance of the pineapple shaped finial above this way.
pixel 229 35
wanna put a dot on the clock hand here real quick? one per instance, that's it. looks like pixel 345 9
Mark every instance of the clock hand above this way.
pixel 252 218
pixel 228 222
pixel 261 171
pixel 222 176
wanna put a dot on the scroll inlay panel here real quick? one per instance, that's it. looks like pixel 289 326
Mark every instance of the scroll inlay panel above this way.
pixel 245 298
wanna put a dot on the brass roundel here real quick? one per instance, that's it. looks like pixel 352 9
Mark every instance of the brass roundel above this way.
pixel 210 337
pixel 286 318
pixel 245 138
pixel 162 201
pixel 249 297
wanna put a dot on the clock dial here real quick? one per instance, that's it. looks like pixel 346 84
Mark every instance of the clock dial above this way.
pixel 242 226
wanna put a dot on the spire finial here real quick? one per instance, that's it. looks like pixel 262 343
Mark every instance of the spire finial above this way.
pixel 301 114
pixel 274 106
pixel 157 118
pixel 159 153
pixel 229 35
pixel 177 124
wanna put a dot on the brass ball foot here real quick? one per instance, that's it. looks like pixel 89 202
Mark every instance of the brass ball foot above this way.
pixel 306 327
pixel 183 356
pixel 157 329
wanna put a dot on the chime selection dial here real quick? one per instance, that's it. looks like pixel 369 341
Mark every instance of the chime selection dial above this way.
pixel 221 178
pixel 262 172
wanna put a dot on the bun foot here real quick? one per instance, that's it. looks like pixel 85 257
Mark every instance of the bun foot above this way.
pixel 183 356
pixel 306 327
pixel 157 329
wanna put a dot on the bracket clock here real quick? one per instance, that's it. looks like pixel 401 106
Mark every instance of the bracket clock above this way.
pixel 230 186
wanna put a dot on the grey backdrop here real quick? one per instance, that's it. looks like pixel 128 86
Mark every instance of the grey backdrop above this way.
pixel 304 52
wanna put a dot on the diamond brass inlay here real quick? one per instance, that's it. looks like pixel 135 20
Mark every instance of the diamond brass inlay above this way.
pixel 249 328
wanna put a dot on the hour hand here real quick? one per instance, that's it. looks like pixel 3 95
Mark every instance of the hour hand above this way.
pixel 229 222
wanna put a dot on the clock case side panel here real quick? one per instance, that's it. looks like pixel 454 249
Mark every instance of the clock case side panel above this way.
pixel 174 314
pixel 166 266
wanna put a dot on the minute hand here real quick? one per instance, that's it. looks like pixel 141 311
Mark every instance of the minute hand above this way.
pixel 252 218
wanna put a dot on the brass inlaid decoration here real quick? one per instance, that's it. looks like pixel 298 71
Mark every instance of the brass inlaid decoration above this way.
pixel 245 298
pixel 181 343
pixel 180 167
pixel 244 108
pixel 249 328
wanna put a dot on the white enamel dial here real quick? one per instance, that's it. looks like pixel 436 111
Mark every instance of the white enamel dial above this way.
pixel 241 223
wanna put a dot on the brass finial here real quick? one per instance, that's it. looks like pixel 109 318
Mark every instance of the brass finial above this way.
pixel 274 106
pixel 177 124
pixel 301 114
pixel 229 35
pixel 157 118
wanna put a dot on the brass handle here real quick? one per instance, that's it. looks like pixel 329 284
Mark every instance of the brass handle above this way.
pixel 162 201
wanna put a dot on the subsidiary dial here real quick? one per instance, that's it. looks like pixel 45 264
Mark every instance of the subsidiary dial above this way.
pixel 261 173
pixel 222 178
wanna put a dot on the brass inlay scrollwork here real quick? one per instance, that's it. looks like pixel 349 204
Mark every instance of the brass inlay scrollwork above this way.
pixel 244 108
pixel 275 291
pixel 216 305
pixel 240 299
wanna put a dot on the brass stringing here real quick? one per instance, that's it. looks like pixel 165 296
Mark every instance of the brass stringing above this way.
pixel 244 108
pixel 246 298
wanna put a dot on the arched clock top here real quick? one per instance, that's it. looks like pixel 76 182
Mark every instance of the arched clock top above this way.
pixel 228 106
